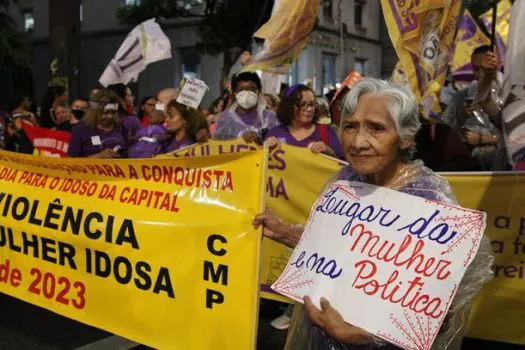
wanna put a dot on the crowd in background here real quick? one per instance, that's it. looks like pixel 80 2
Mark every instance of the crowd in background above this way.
pixel 466 136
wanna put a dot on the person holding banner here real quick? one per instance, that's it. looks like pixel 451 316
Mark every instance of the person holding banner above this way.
pixel 247 117
pixel 100 134
pixel 299 124
pixel 379 122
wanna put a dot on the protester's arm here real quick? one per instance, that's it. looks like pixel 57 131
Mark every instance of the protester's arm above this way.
pixel 484 95
pixel 278 230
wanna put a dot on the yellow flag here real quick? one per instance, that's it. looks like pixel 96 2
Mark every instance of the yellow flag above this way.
pixel 468 38
pixel 286 33
pixel 422 32
pixel 502 17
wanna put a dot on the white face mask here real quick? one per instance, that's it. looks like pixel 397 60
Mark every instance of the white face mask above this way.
pixel 247 99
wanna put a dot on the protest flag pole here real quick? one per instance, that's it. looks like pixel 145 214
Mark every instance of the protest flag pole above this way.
pixel 494 19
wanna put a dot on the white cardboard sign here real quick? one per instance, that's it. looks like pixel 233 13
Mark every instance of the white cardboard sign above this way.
pixel 192 92
pixel 389 262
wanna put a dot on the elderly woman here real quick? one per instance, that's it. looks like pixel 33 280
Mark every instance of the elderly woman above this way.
pixel 378 126
pixel 247 117
pixel 299 124
pixel 100 133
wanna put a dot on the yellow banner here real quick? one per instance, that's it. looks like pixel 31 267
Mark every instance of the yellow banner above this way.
pixel 296 176
pixel 422 32
pixel 159 251
pixel 499 310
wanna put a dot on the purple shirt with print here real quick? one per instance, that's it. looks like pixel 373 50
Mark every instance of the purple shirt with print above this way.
pixel 176 145
pixel 229 127
pixel 87 141
pixel 282 133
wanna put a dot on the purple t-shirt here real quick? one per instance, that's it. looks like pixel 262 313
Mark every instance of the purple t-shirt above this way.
pixel 175 145
pixel 282 133
pixel 131 123
pixel 87 141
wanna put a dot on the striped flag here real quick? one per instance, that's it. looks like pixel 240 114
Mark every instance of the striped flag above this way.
pixel 514 88
pixel 468 38
pixel 422 32
pixel 502 25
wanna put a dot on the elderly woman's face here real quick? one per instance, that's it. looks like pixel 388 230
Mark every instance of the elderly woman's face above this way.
pixel 369 136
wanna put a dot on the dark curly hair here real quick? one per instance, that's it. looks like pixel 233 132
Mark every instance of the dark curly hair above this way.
pixel 195 121
pixel 291 98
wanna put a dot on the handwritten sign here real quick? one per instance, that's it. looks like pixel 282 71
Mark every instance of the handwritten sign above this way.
pixel 192 92
pixel 389 262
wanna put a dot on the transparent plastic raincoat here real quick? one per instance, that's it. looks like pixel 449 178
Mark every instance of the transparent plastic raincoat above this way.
pixel 230 125
pixel 419 181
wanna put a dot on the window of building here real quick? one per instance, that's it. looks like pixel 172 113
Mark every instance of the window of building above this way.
pixel 359 6
pixel 360 66
pixel 131 2
pixel 191 62
pixel 329 72
pixel 328 9
pixel 29 21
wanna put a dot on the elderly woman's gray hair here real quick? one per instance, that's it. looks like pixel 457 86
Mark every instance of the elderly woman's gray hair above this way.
pixel 401 104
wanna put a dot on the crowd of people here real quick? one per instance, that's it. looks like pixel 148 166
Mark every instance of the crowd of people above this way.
pixel 375 126
pixel 466 136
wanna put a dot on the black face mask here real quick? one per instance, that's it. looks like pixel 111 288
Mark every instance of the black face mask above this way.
pixel 78 113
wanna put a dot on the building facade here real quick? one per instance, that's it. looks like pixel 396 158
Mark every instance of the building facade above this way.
pixel 347 37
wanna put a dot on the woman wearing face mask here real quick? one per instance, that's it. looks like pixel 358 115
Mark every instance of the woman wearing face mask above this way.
pixel 248 117
pixel 182 123
pixel 299 124
pixel 78 109
pixel 100 133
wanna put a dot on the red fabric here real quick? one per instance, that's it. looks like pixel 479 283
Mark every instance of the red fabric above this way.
pixel 324 133
pixel 145 121
pixel 48 143
pixel 131 111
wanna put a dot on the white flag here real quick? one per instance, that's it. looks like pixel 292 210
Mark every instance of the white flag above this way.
pixel 145 44
pixel 514 88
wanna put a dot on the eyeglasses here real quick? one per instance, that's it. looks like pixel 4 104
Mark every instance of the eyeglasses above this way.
pixel 305 105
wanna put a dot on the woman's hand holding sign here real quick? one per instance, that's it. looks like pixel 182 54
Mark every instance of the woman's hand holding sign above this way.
pixel 333 324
